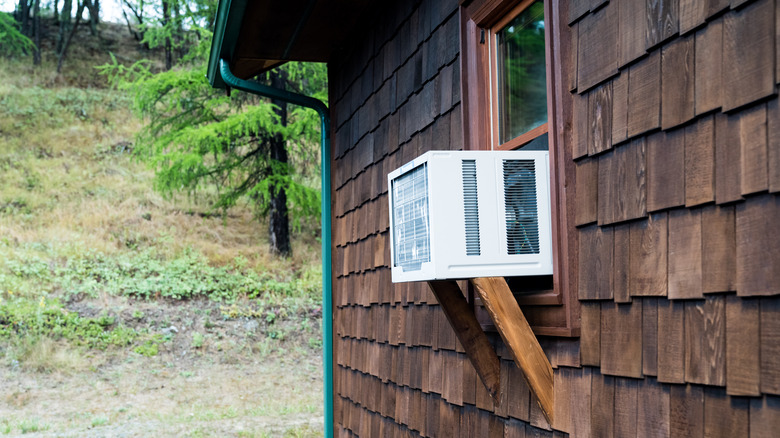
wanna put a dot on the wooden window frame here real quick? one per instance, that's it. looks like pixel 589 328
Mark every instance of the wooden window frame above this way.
pixel 553 312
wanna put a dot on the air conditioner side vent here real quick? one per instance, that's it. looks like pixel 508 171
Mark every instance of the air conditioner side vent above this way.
pixel 411 219
pixel 470 206
pixel 522 221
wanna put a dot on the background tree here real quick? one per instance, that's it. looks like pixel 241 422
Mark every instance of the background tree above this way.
pixel 12 41
pixel 65 23
pixel 37 31
pixel 69 37
pixel 136 8
pixel 225 148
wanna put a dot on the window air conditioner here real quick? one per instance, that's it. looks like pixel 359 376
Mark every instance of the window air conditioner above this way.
pixel 467 214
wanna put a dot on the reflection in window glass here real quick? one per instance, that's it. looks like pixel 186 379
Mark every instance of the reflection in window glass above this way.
pixel 522 89
pixel 537 144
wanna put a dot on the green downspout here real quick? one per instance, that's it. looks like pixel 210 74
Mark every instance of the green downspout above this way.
pixel 327 312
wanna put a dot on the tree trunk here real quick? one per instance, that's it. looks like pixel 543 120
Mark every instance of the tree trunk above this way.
pixel 278 221
pixel 37 32
pixel 65 14
pixel 94 15
pixel 138 13
pixel 25 11
pixel 56 11
pixel 67 42
pixel 179 30
pixel 168 49
pixel 133 33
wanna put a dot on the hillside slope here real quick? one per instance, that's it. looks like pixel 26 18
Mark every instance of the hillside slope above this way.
pixel 122 312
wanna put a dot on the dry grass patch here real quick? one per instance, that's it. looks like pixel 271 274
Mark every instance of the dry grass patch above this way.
pixel 45 355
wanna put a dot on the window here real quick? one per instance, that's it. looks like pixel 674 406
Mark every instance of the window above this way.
pixel 519 80
pixel 512 96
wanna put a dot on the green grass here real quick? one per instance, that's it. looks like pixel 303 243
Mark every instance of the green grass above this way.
pixel 147 274
pixel 24 318
pixel 30 425
pixel 79 219
pixel 99 421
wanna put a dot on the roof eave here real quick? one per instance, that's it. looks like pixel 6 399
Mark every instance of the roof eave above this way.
pixel 228 24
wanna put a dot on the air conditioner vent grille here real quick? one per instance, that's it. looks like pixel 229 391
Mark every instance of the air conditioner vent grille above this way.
pixel 522 221
pixel 470 206
pixel 411 221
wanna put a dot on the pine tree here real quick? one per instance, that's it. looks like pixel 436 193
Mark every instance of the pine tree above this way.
pixel 12 41
pixel 228 148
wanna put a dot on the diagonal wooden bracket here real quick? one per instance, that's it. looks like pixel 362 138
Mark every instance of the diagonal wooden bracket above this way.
pixel 477 345
pixel 513 328
pixel 519 339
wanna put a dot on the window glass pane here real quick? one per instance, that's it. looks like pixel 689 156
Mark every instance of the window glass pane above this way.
pixel 522 89
pixel 537 144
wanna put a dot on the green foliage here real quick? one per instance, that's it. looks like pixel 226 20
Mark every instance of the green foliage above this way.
pixel 186 28
pixel 12 42
pixel 197 340
pixel 30 425
pixel 99 421
pixel 149 349
pixel 149 274
pixel 201 141
pixel 315 343
pixel 22 318
pixel 197 138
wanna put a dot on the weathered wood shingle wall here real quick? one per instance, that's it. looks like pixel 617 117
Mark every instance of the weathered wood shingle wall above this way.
pixel 399 368
pixel 675 140
pixel 675 133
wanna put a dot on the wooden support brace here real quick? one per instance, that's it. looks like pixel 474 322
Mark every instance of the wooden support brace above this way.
pixel 519 339
pixel 462 319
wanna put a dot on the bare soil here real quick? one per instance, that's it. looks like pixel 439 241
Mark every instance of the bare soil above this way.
pixel 237 382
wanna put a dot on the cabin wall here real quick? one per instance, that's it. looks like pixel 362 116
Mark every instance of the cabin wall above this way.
pixel 672 121
pixel 676 148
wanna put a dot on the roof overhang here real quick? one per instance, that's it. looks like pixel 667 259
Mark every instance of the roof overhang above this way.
pixel 256 36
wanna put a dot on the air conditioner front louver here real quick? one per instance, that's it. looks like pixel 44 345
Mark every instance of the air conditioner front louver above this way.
pixel 465 214
pixel 522 222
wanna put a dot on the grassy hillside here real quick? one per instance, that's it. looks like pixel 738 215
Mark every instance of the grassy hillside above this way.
pixel 100 274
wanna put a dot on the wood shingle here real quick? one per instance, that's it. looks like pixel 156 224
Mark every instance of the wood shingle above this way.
pixel 707 67
pixel 648 258
pixel 686 412
pixel 742 346
pixel 685 244
pixel 621 339
pixel 677 82
pixel 644 99
pixel 597 54
pixel 758 254
pixel 633 29
pixel 748 54
pixel 671 341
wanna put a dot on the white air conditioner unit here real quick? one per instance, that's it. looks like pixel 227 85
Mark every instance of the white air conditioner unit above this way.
pixel 467 214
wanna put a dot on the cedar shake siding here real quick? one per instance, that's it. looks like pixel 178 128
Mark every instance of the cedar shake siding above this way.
pixel 671 124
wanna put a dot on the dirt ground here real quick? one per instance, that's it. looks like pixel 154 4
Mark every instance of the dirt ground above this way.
pixel 237 383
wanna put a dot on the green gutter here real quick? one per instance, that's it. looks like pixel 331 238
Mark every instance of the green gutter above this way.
pixel 327 311
pixel 230 14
